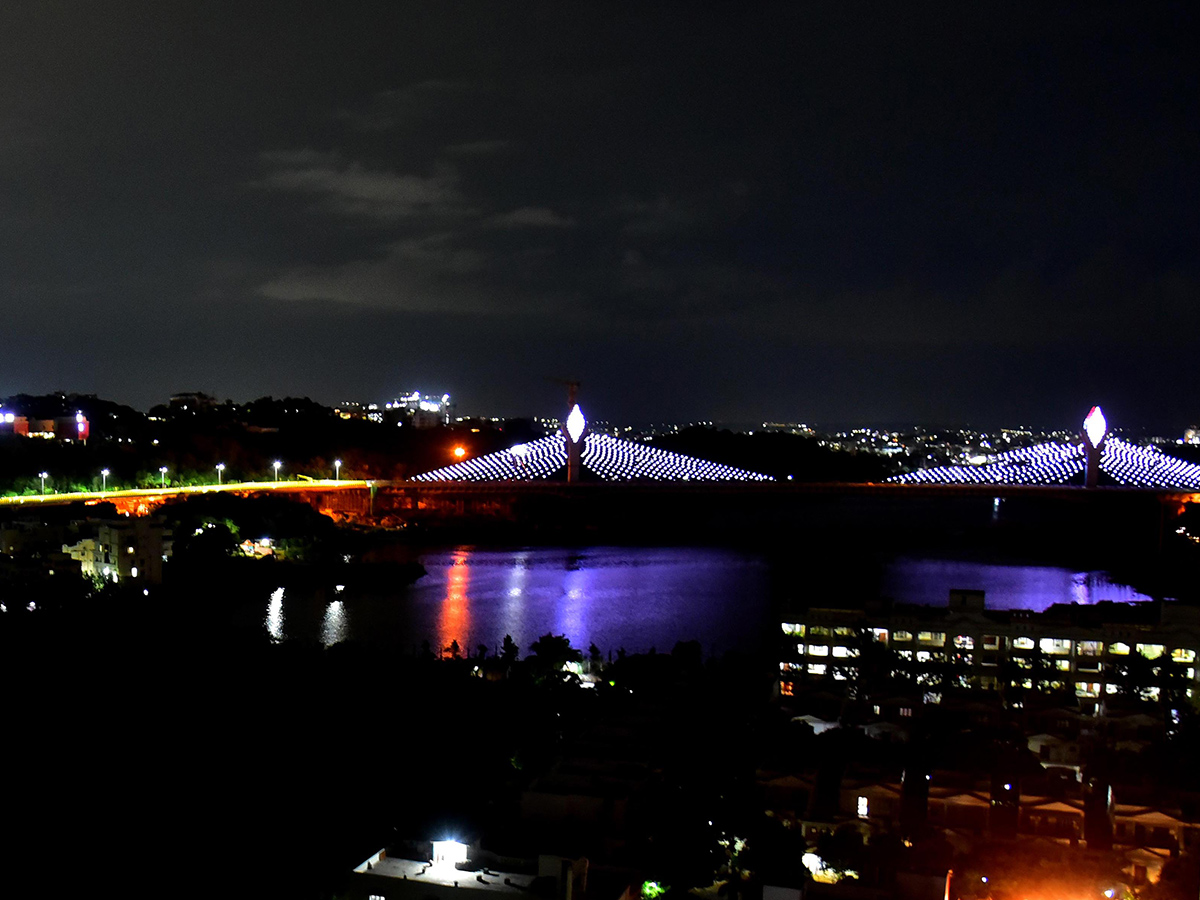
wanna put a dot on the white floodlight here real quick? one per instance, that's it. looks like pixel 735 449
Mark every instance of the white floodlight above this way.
pixel 447 853
pixel 575 424
pixel 1095 427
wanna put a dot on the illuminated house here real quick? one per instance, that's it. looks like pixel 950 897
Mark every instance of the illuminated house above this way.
pixel 63 428
pixel 1126 464
pixel 1143 650
pixel 604 457
pixel 124 549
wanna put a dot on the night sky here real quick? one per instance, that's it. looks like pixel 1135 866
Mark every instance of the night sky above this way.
pixel 831 212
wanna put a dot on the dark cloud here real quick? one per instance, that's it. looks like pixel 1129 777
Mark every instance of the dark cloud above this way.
pixel 830 211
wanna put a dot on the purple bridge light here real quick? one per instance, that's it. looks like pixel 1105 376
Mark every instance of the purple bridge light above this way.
pixel 1129 465
pixel 606 457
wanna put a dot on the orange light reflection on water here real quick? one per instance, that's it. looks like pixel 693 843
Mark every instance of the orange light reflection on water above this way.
pixel 455 621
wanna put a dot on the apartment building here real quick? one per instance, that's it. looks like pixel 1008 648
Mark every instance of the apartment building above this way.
pixel 1100 650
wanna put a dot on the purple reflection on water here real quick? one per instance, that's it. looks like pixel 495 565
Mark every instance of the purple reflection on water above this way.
pixel 616 597
pixel 1034 588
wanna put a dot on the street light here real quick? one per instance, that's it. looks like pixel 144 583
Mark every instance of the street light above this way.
pixel 104 482
pixel 43 476
pixel 220 471
pixel 276 465
pixel 162 476
pixel 337 470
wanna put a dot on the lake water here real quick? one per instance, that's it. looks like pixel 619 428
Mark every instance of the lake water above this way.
pixel 637 597
pixel 929 581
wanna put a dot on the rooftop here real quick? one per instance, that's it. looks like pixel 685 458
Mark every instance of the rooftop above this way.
pixel 447 875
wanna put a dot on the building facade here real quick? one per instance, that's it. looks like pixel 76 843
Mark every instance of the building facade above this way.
pixel 1146 650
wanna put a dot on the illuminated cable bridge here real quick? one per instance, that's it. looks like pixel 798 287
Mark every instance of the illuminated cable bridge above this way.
pixel 602 456
pixel 1122 463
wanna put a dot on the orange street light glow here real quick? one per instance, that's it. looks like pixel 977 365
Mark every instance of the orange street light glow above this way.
pixel 460 452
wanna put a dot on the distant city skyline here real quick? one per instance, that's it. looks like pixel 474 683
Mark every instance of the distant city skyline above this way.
pixel 822 213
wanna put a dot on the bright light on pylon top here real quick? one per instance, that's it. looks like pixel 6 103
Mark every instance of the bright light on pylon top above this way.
pixel 575 424
pixel 1095 427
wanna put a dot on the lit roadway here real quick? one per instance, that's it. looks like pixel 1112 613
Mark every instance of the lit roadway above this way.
pixel 170 493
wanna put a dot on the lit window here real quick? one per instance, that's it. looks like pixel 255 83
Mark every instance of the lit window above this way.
pixel 1022 643
pixel 816 668
pixel 818 650
pixel 818 631
pixel 1150 651
pixel 932 637
pixel 906 712
pixel 1088 648
pixel 924 656
pixel 800 649
pixel 901 635
pixel 880 634
pixel 904 654
pixel 785 688
pixel 843 631
pixel 1056 646
pixel 1184 656
pixel 1110 689
pixel 1118 649
pixel 862 807
pixel 964 642
pixel 844 652
pixel 991 642
pixel 1063 665
pixel 793 628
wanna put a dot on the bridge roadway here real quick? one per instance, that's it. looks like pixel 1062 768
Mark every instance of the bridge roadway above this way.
pixel 140 501
pixel 360 496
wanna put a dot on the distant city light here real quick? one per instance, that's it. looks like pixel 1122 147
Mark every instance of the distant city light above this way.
pixel 460 452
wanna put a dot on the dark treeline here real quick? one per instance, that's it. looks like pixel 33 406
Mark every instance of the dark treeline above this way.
pixel 144 740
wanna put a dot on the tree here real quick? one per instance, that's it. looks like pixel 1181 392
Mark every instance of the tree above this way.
pixel 549 657
pixel 509 651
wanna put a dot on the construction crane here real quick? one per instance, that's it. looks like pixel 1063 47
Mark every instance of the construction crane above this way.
pixel 572 386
